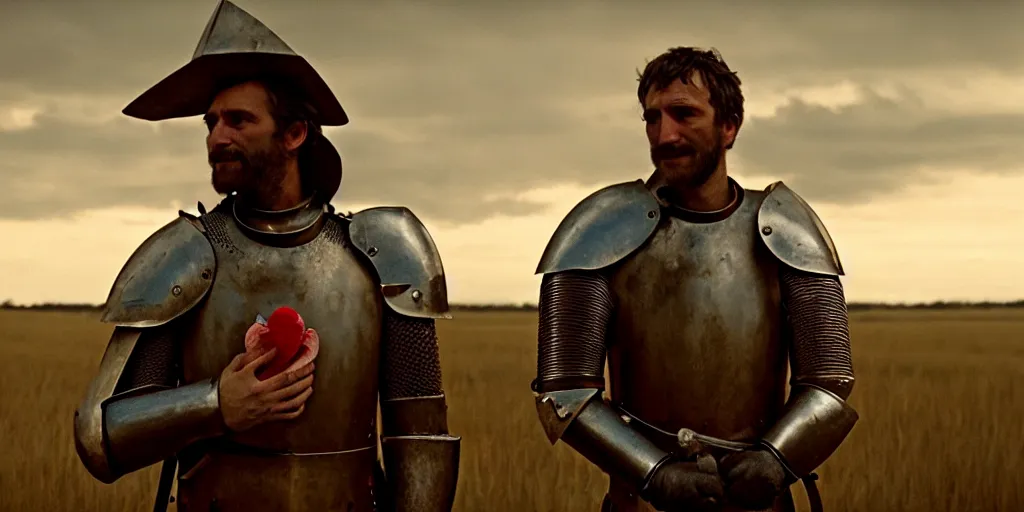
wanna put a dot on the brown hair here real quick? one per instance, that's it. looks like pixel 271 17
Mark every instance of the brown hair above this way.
pixel 287 106
pixel 680 63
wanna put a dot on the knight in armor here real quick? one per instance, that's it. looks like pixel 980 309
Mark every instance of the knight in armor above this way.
pixel 701 294
pixel 176 383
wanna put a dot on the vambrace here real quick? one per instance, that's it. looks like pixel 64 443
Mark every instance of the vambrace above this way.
pixel 143 429
pixel 575 309
pixel 421 459
pixel 133 415
pixel 817 417
pixel 584 421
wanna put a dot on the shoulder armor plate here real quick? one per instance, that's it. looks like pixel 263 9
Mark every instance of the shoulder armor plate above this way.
pixel 602 229
pixel 406 259
pixel 795 234
pixel 165 277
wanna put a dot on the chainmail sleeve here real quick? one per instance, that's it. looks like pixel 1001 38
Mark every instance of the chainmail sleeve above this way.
pixel 411 362
pixel 821 337
pixel 575 308
pixel 154 362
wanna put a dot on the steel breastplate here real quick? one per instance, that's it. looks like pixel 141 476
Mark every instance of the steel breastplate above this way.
pixel 336 295
pixel 696 340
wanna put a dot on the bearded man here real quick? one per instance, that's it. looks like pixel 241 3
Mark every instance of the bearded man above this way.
pixel 184 378
pixel 698 291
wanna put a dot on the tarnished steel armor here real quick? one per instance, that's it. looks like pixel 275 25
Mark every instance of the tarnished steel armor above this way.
pixel 371 285
pixel 699 315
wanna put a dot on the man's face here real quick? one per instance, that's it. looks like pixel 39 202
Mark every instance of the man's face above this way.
pixel 244 153
pixel 686 143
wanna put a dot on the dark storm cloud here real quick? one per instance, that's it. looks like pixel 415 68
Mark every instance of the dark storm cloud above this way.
pixel 876 146
pixel 456 101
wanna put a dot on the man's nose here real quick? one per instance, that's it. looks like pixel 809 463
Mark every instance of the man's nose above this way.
pixel 218 137
pixel 668 131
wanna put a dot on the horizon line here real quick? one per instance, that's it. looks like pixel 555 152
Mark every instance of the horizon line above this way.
pixel 529 306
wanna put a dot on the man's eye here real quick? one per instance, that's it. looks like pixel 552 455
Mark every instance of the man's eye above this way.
pixel 681 112
pixel 650 117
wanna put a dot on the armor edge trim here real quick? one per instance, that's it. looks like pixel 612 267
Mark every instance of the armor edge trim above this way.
pixel 406 259
pixel 424 415
pixel 602 229
pixel 166 276
pixel 558 409
pixel 795 234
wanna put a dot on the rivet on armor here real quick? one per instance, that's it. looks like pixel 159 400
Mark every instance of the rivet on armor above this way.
pixel 767 230
pixel 372 251
pixel 416 295
pixel 207 273
pixel 651 214
pixel 176 290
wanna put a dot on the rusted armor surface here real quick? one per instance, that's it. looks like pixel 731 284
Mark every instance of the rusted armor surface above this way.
pixel 336 295
pixel 693 322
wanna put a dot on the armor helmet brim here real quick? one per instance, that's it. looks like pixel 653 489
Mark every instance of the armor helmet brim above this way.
pixel 236 47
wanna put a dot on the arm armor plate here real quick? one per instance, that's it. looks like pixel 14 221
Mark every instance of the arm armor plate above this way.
pixel 574 312
pixel 421 459
pixel 405 258
pixel 795 234
pixel 602 229
pixel 817 417
pixel 117 432
pixel 813 425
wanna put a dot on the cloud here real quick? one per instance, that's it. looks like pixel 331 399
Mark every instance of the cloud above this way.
pixel 460 101
pixel 876 145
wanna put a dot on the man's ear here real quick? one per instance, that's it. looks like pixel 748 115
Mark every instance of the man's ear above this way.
pixel 296 135
pixel 729 131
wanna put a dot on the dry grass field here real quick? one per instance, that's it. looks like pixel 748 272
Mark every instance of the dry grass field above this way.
pixel 941 397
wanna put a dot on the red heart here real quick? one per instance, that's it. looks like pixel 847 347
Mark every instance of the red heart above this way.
pixel 285 331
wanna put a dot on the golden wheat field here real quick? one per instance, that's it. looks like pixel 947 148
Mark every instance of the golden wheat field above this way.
pixel 940 393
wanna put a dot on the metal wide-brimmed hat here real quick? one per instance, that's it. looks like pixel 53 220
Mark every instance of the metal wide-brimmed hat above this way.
pixel 235 46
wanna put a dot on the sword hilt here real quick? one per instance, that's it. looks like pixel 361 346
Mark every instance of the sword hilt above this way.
pixel 694 442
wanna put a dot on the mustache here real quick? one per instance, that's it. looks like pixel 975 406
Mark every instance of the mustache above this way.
pixel 668 151
pixel 221 155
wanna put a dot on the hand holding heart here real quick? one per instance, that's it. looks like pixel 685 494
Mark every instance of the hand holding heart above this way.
pixel 273 378
pixel 285 330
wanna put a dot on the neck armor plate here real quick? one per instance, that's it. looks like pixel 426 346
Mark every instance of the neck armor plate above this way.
pixel 280 228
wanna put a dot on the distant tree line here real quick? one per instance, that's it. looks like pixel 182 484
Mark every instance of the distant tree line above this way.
pixel 852 306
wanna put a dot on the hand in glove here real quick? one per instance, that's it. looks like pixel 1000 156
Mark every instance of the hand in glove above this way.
pixel 753 478
pixel 679 486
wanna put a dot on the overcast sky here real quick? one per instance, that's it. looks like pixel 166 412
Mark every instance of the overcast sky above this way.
pixel 902 126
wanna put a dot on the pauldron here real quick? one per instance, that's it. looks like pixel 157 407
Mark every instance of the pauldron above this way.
pixel 406 259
